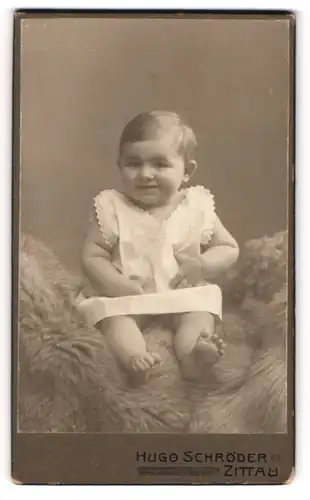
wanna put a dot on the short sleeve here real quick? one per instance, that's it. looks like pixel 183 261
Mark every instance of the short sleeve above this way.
pixel 209 216
pixel 105 213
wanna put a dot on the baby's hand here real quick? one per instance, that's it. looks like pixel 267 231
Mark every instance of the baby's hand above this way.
pixel 179 281
pixel 190 273
pixel 135 287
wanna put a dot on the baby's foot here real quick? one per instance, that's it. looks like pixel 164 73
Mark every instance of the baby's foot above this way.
pixel 141 364
pixel 209 348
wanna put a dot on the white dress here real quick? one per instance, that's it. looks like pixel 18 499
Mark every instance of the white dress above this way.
pixel 146 248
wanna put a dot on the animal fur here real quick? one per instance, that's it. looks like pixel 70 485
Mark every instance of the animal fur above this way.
pixel 69 382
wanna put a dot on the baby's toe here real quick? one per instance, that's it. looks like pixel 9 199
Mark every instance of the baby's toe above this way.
pixel 156 358
pixel 214 337
pixel 139 364
pixel 221 347
pixel 217 341
pixel 149 359
pixel 204 335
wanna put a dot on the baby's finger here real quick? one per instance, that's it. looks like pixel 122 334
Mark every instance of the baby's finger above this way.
pixel 176 280
pixel 183 284
pixel 135 277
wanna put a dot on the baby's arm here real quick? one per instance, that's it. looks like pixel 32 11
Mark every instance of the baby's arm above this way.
pixel 221 254
pixel 98 268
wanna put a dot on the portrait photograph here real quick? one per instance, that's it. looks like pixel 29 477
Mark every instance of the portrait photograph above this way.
pixel 153 233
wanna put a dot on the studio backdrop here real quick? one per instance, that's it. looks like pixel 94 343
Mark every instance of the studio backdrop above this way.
pixel 84 79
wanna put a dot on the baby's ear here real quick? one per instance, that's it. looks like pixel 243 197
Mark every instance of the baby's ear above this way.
pixel 190 170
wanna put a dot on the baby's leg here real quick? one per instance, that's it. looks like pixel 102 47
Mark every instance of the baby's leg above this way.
pixel 196 344
pixel 126 342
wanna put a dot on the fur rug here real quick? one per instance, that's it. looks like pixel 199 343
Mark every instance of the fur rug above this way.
pixel 68 381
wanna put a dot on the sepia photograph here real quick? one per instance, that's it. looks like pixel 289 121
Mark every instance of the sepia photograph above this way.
pixel 153 226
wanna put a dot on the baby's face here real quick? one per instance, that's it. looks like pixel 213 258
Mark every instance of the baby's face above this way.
pixel 151 170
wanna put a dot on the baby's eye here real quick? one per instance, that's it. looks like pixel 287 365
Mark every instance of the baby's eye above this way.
pixel 162 164
pixel 132 163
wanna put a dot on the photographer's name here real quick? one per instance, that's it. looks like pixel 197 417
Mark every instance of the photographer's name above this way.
pixel 199 457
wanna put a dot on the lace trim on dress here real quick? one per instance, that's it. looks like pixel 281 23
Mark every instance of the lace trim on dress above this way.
pixel 204 200
pixel 197 200
pixel 98 211
pixel 200 202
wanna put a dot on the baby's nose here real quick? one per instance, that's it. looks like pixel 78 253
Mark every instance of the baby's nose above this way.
pixel 146 172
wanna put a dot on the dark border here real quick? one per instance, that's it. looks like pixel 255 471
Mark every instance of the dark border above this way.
pixel 46 448
pixel 291 375
pixel 15 207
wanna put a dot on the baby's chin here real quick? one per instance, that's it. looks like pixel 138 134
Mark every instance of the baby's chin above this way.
pixel 147 199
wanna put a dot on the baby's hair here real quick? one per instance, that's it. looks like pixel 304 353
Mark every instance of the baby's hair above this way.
pixel 150 123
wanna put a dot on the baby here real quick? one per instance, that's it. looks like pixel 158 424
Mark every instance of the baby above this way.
pixel 154 247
